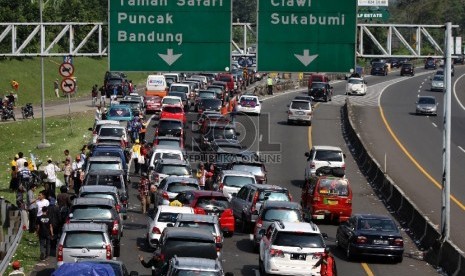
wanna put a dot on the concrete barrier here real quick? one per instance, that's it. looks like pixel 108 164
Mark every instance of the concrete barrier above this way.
pixel 445 255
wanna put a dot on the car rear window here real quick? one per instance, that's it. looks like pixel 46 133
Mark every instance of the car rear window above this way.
pixel 318 85
pixel 108 180
pixel 339 187
pixel 170 101
pixel 110 131
pixel 98 195
pixel 163 142
pixel 273 195
pixel 120 112
pixel 177 187
pixel 287 215
pixel 212 202
pixel 174 170
pixel 97 166
pixel 82 239
pixel 207 95
pixel 169 124
pixel 168 155
pixel 168 217
pixel 178 88
pixel 355 81
pixel 225 79
pixel 198 225
pixel 328 155
pixel 255 170
pixel 376 224
pixel 300 105
pixel 237 181
pixel 172 109
pixel 295 239
pixel 92 212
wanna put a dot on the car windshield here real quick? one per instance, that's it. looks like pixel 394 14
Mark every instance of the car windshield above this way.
pixel 91 212
pixel 115 81
pixel 286 215
pixel 181 95
pixel 167 155
pixel 97 166
pixel 377 224
pixel 111 131
pixel 177 187
pixel 209 202
pixel 219 132
pixel 426 101
pixel 173 101
pixel 108 180
pixel 119 112
pixel 169 124
pixel 174 170
pixel 180 272
pixel 83 239
pixel 179 88
pixel 407 65
pixel 300 105
pixel 438 78
pixel 199 225
pixel 172 109
pixel 237 181
pixel 211 103
pixel 299 239
pixel 378 64
pixel 167 217
pixel 318 85
pixel 98 195
pixel 328 155
pixel 332 186
pixel 273 195
pixel 254 169
pixel 355 81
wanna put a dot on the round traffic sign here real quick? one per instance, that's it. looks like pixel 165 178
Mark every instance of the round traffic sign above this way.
pixel 66 70
pixel 68 85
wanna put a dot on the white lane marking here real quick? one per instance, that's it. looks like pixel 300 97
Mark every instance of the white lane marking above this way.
pixel 419 90
pixel 435 125
pixel 260 138
pixel 462 149
pixel 391 82
pixel 455 92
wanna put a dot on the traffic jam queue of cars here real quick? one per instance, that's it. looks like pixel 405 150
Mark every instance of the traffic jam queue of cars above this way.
pixel 191 220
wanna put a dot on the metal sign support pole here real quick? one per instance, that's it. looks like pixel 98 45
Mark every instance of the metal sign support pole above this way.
pixel 44 144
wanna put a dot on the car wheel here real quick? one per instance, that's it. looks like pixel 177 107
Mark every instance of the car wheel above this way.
pixel 289 122
pixel 309 123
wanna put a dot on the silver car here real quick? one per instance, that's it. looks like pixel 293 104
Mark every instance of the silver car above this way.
pixel 427 105
pixel 84 241
pixel 437 83
pixel 230 181
pixel 171 186
pixel 299 111
pixel 207 222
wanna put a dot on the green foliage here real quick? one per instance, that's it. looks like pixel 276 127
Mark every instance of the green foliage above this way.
pixel 245 11
pixel 27 252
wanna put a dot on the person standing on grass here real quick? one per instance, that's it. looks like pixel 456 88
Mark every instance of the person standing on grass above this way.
pixel 31 207
pixel 14 181
pixel 44 231
pixel 76 173
pixel 51 172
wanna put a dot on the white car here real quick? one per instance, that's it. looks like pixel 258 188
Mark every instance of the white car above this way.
pixel 166 152
pixel 291 248
pixel 249 104
pixel 230 181
pixel 320 156
pixel 356 86
pixel 171 100
pixel 299 111
pixel 164 215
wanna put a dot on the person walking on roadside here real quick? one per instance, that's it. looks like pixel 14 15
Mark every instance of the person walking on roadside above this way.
pixel 67 171
pixel 155 263
pixel 76 173
pixel 31 207
pixel 41 201
pixel 203 175
pixel 94 94
pixel 14 181
pixel 44 231
pixel 51 172
pixel 135 155
pixel 327 263
pixel 56 88
pixel 144 193
pixel 269 84
pixel 98 113
pixel 103 96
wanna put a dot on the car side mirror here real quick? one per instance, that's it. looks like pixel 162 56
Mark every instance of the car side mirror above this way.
pixel 234 194
pixel 307 154
pixel 344 155
pixel 324 235
pixel 261 233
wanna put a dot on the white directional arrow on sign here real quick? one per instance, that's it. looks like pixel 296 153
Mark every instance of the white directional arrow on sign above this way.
pixel 306 58
pixel 169 58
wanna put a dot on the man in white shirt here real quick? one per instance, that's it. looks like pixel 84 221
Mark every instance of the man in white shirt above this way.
pixel 50 183
pixel 42 201
pixel 20 162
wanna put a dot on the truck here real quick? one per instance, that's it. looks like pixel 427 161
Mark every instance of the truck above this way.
pixel 156 86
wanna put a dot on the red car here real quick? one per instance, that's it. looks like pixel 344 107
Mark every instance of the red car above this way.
pixel 210 203
pixel 152 104
pixel 173 112
pixel 328 198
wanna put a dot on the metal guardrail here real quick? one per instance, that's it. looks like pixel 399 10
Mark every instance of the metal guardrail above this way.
pixel 5 208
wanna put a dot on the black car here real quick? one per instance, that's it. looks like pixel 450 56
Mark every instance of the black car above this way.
pixel 370 235
pixel 395 62
pixel 217 130
pixel 184 98
pixel 170 127
pixel 321 91
pixel 224 156
pixel 460 59
pixel 209 105
pixel 379 68
pixel 407 69
pixel 452 70
pixel 225 144
pixel 430 63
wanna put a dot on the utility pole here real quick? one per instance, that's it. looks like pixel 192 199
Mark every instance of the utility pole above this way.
pixel 44 144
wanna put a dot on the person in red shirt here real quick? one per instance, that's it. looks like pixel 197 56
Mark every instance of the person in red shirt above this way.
pixel 203 176
pixel 327 263
pixel 144 193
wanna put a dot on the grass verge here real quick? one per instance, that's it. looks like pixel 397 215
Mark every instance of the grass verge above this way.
pixel 27 253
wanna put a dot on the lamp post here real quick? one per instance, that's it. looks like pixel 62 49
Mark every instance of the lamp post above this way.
pixel 44 144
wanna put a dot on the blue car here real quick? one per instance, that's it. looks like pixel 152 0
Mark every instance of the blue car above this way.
pixel 120 112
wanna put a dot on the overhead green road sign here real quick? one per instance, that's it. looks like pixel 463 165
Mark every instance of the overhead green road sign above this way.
pixel 170 35
pixel 306 35
pixel 376 15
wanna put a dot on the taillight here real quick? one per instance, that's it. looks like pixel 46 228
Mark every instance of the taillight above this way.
pixel 199 211
pixel 115 229
pixel 289 112
pixel 348 201
pixel 108 252
pixel 118 208
pixel 312 165
pixel 316 198
pixel 361 239
pixel 259 223
pixel 399 242
pixel 60 253
pixel 220 187
pixel 343 166
pixel 165 196
pixel 276 253
pixel 155 230
pixel 68 220
pixel 227 213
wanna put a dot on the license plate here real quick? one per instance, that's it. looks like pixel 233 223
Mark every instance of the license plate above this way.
pixel 169 135
pixel 380 242
pixel 300 257
pixel 333 202
pixel 320 216
pixel 300 113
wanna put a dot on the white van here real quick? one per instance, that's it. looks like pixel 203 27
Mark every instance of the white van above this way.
pixel 176 76
pixel 181 87
pixel 156 86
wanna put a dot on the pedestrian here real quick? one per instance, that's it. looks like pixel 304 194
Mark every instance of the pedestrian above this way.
pixel 20 162
pixel 156 263
pixel 67 156
pixel 144 149
pixel 44 231
pixel 14 182
pixel 20 198
pixel 15 85
pixel 67 171
pixel 51 172
pixel 143 128
pixel 24 176
pixel 83 153
pixel 76 173
pixel 135 155
pixel 55 220
pixel 31 207
pixel 98 113
pixel 269 83
pixel 203 175
pixel 327 264
pixel 144 193
pixel 17 269
pixel 56 88
pixel 104 113
pixel 41 201
pixel 103 96
pixel 153 193
pixel 94 93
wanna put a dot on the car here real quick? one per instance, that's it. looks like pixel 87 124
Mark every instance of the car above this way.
pixel 321 91
pixel 452 70
pixel 205 104
pixel 169 141
pixel 207 119
pixel 97 125
pixel 207 222
pixel 197 266
pixel 430 63
pixel 120 112
pixel 119 268
pixel 256 167
pixel 272 211
pixel 115 82
pixel 460 59
pixel 210 203
pixel 84 241
pixel 183 88
pixel 316 78
pixel 219 90
pixel 230 181
pixel 299 111
pixel 247 202
pixel 113 130
pixel 163 216
pixel 173 112
pixel 109 192
pixel 98 210
pixel 184 98
pixel 225 144
pixel 370 235
pixel 395 62
pixel 249 104
pixel 303 98
pixel 228 79
pixel 356 86
pixel 115 178
pixel 170 127
pixel 97 163
pixel 166 167
pixel 379 68
pixel 407 69
pixel 426 105
pixel 136 106
pixel 216 130
pixel 171 100
pixel 203 94
pixel 109 150
pixel 152 104
pixel 171 186
pixel 437 83
pixel 291 248
pixel 320 156
pixel 165 152
pixel 327 198
pixel 223 157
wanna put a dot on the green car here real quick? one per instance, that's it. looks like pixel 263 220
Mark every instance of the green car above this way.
pixel 120 112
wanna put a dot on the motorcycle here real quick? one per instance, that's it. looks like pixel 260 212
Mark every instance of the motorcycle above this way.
pixel 7 113
pixel 27 111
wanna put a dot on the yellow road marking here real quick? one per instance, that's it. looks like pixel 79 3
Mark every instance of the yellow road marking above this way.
pixel 415 162
pixel 367 269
